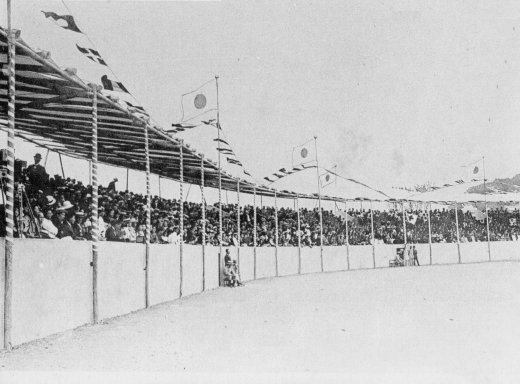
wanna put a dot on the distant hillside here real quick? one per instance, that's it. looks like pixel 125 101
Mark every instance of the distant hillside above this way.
pixel 506 185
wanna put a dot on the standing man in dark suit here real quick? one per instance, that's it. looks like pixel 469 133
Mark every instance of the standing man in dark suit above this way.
pixel 38 177
pixel 415 259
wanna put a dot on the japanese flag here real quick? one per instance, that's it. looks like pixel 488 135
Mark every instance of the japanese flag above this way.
pixel 200 104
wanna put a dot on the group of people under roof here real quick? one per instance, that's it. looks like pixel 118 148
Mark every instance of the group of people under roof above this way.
pixel 58 207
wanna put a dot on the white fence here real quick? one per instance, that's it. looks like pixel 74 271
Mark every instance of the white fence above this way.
pixel 52 287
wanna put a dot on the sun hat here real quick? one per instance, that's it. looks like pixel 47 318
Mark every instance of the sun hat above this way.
pixel 67 205
pixel 50 200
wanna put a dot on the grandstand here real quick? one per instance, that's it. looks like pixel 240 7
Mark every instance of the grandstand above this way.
pixel 77 254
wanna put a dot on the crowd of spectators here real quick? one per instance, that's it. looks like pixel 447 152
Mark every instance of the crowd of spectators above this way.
pixel 59 207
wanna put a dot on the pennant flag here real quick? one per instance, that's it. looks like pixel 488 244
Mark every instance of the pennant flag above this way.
pixel 282 172
pixel 304 154
pixel 222 141
pixel 412 219
pixel 111 85
pixel 247 173
pixel 64 21
pixel 475 170
pixel 459 181
pixel 199 102
pixel 233 161
pixel 137 108
pixel 212 122
pixel 179 128
pixel 92 54
pixel 226 151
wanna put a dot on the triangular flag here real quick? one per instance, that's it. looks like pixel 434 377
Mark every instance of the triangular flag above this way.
pixel 64 21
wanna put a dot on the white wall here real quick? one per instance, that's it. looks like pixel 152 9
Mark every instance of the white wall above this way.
pixel 335 258
pixel 311 259
pixel 287 261
pixel 120 278
pixel 163 273
pixel 191 269
pixel 247 263
pixel 52 287
pixel 265 262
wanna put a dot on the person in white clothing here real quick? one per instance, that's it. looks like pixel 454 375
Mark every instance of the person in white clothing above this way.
pixel 47 228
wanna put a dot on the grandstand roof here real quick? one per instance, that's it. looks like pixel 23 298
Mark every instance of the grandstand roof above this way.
pixel 53 110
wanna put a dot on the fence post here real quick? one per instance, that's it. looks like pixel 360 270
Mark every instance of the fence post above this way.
pixel 254 233
pixel 373 237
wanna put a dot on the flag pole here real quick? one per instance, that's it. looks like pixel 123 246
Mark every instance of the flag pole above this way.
pixel 404 226
pixel 239 237
pixel 319 202
pixel 486 207
pixel 219 175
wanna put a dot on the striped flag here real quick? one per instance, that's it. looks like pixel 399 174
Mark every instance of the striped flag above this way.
pixel 111 85
pixel 92 54
pixel 234 161
pixel 64 21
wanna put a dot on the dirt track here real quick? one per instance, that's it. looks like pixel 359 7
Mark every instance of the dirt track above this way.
pixel 459 321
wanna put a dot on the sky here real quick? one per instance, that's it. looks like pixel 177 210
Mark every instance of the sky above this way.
pixel 398 93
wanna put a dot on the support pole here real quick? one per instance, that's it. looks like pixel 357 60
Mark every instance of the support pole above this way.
pixel 254 233
pixel 9 204
pixel 404 226
pixel 61 164
pixel 127 170
pixel 238 224
pixel 457 227
pixel 159 182
pixel 373 237
pixel 430 231
pixel 90 172
pixel 347 242
pixel 319 203
pixel 219 180
pixel 94 206
pixel 486 206
pixel 181 212
pixel 203 223
pixel 148 217
pixel 299 236
pixel 276 232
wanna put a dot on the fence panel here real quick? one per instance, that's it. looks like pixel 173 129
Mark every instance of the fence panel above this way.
pixel 287 261
pixel 212 267
pixel 52 287
pixel 504 250
pixel 444 253
pixel 191 269
pixel 334 258
pixel 311 259
pixel 163 273
pixel 120 278
pixel 474 252
pixel 361 257
pixel 246 267
pixel 265 262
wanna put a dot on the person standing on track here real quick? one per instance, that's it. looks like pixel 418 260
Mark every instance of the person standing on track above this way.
pixel 415 259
